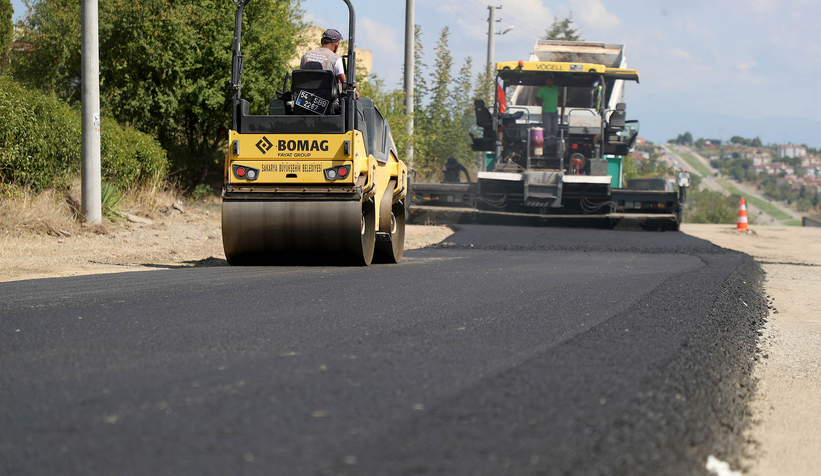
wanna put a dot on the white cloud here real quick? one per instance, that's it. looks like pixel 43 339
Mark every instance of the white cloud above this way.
pixel 529 17
pixel 472 30
pixel 763 6
pixel 677 53
pixel 594 14
pixel 744 66
pixel 312 19
pixel 380 38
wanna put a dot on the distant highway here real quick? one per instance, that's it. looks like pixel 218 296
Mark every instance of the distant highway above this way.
pixel 710 183
pixel 508 350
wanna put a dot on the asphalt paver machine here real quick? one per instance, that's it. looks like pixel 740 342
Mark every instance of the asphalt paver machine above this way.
pixel 576 174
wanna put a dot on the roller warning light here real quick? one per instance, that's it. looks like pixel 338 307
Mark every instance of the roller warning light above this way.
pixel 337 173
pixel 246 173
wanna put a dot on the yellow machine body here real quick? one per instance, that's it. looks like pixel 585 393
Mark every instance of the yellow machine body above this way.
pixel 291 208
pixel 318 178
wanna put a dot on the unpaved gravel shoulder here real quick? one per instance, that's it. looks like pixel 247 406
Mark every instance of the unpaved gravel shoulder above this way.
pixel 786 438
pixel 181 239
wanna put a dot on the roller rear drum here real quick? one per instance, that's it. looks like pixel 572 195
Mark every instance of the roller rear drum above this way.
pixel 299 231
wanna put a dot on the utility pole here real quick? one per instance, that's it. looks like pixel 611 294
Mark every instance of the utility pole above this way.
pixel 491 34
pixel 91 206
pixel 410 42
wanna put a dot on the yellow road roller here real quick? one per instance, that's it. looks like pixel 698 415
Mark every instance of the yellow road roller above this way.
pixel 318 179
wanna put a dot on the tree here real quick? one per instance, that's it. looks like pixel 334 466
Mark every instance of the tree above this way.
pixel 6 27
pixel 464 118
pixel 755 142
pixel 392 106
pixel 437 123
pixel 485 86
pixel 707 206
pixel 164 66
pixel 684 139
pixel 420 86
pixel 562 30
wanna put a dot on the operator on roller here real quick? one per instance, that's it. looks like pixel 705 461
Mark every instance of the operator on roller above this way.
pixel 325 57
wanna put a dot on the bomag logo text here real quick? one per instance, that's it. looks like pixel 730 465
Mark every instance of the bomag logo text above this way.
pixel 300 145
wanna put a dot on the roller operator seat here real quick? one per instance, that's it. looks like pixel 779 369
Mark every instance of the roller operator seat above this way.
pixel 315 82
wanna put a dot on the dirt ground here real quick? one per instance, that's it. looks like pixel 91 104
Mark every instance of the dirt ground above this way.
pixel 785 440
pixel 180 237
pixel 787 436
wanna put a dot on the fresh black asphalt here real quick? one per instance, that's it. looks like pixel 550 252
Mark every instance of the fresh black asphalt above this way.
pixel 504 350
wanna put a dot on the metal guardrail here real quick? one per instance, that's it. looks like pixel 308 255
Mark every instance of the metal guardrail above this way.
pixel 808 221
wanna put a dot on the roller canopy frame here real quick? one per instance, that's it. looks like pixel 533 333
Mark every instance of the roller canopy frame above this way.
pixel 237 61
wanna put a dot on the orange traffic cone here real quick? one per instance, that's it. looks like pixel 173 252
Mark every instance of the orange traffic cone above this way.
pixel 742 216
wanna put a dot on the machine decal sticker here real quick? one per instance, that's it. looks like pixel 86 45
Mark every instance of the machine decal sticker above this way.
pixel 264 145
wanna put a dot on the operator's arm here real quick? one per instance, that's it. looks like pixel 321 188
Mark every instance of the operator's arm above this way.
pixel 340 75
pixel 463 169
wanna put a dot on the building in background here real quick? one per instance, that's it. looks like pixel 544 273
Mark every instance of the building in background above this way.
pixel 791 150
pixel 311 37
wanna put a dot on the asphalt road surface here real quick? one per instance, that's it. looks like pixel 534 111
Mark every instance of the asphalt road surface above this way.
pixel 507 350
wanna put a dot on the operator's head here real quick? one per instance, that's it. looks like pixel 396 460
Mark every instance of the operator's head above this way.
pixel 331 39
pixel 548 81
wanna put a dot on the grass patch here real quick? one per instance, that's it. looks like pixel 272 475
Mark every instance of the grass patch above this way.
pixel 792 223
pixel 696 164
pixel 111 200
pixel 56 212
pixel 762 205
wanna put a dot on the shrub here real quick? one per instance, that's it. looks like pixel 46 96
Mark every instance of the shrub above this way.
pixel 707 206
pixel 40 144
pixel 201 191
pixel 130 157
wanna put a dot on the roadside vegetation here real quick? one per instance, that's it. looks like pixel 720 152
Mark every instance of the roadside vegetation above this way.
pixel 651 168
pixel 708 206
pixel 165 110
pixel 766 207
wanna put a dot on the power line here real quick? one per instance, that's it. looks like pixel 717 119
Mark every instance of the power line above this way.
pixel 524 29
pixel 471 11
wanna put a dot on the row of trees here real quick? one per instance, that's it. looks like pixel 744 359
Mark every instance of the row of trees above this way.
pixel 443 107
pixel 164 66
pixel 6 27
pixel 754 142
pixel 687 139
pixel 443 102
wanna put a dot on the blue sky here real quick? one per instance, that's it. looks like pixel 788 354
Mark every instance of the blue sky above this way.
pixel 716 68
